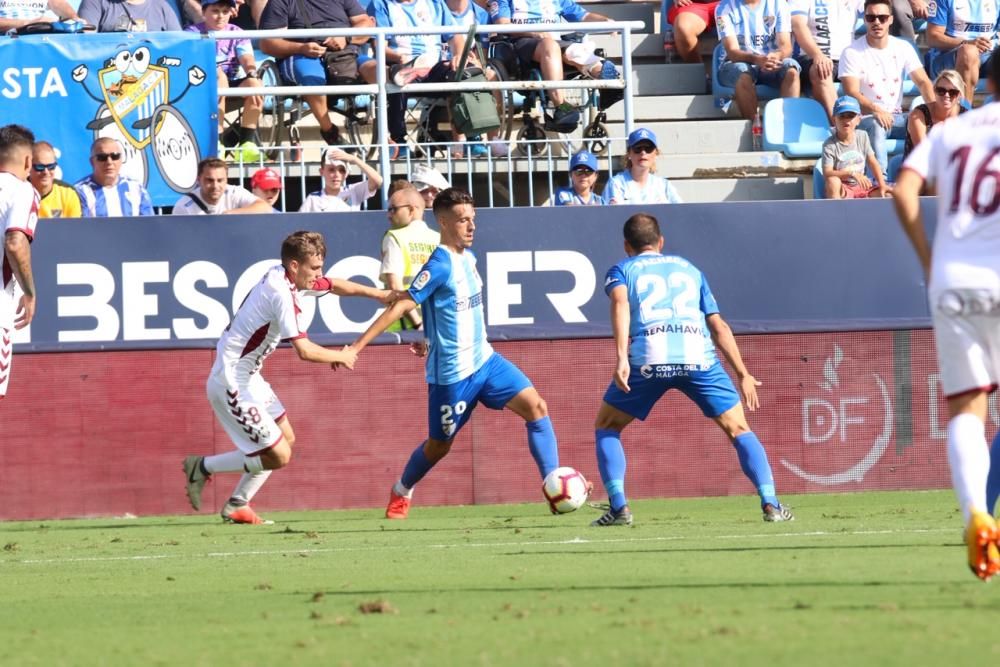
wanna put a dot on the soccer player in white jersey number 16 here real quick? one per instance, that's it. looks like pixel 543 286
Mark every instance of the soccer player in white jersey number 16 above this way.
pixel 243 401
pixel 462 368
pixel 18 217
pixel 961 159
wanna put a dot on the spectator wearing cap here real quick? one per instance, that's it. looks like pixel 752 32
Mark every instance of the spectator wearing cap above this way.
pixel 336 195
pixel 428 182
pixel 582 178
pixel 237 68
pixel 638 183
pixel 846 154
pixel 130 15
pixel 214 195
pixel 266 184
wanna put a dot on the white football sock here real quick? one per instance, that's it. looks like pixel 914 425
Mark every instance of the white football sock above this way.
pixel 228 462
pixel 969 459
pixel 248 486
pixel 401 490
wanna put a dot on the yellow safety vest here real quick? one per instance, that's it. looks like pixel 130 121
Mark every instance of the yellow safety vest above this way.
pixel 417 241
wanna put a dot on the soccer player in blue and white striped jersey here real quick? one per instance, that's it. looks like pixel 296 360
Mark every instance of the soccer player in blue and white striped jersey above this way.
pixel 663 305
pixel 462 367
pixel 106 193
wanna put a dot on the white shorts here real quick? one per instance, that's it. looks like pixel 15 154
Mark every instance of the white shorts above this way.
pixel 6 358
pixel 967 336
pixel 249 413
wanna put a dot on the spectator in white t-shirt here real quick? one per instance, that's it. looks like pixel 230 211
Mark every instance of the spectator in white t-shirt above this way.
pixel 822 31
pixel 214 195
pixel 872 70
pixel 336 195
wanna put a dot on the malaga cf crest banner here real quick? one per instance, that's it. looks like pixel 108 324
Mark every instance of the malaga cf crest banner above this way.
pixel 153 92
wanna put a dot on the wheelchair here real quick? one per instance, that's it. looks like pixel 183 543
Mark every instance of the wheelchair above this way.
pixel 531 104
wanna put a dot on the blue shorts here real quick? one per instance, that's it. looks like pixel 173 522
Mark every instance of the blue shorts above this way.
pixel 711 389
pixel 942 60
pixel 730 72
pixel 303 71
pixel 449 406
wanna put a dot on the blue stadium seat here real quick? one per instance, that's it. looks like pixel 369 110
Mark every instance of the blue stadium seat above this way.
pixel 796 126
pixel 720 91
pixel 895 162
pixel 819 183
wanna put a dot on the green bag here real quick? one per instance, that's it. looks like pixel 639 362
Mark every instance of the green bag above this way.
pixel 473 112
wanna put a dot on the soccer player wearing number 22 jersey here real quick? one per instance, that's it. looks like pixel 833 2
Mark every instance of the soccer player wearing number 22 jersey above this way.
pixel 462 368
pixel 666 325
pixel 961 159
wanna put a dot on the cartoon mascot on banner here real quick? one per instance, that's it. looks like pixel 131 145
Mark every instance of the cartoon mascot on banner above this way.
pixel 136 110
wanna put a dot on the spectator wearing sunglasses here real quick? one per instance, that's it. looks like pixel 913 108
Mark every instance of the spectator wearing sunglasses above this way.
pixel 106 193
pixel 58 199
pixel 962 34
pixel 406 247
pixel 872 70
pixel 638 183
pixel 948 103
pixel 582 178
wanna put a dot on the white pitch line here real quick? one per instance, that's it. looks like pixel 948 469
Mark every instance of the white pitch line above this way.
pixel 466 545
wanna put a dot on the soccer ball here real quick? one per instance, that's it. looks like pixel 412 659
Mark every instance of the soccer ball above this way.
pixel 565 489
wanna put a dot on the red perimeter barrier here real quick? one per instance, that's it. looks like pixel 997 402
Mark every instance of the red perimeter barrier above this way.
pixel 104 433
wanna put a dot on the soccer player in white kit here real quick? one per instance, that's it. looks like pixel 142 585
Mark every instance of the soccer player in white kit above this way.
pixel 18 217
pixel 244 402
pixel 961 159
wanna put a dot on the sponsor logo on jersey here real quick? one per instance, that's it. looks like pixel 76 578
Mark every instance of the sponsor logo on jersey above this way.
pixel 669 370
pixel 931 8
pixel 421 280
pixel 673 328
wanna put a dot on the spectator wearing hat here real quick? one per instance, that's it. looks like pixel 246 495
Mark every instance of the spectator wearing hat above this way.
pixel 336 195
pixel 214 195
pixel 582 178
pixel 638 183
pixel 237 68
pixel 266 184
pixel 846 154
pixel 428 182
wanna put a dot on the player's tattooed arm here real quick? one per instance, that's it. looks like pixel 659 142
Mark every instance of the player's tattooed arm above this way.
pixel 18 251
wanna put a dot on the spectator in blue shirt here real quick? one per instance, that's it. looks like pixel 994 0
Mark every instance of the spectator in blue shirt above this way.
pixel 106 193
pixel 962 35
pixel 583 177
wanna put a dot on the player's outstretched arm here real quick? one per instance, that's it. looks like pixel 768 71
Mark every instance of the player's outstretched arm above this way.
pixel 620 315
pixel 342 287
pixel 906 198
pixel 725 341
pixel 388 316
pixel 18 251
pixel 310 351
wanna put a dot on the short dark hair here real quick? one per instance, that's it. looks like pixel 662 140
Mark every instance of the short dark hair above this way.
pixel 12 138
pixel 211 163
pixel 642 231
pixel 869 3
pixel 450 198
pixel 300 245
pixel 994 68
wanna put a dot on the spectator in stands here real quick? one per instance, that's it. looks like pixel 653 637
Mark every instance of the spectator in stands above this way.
pixel 58 199
pixel 106 193
pixel 549 52
pixel 962 34
pixel 406 247
pixel 583 177
pixel 690 18
pixel 215 196
pixel 845 155
pixel 947 104
pixel 15 14
pixel 266 184
pixel 336 195
pixel 757 36
pixel 903 13
pixel 872 70
pixel 236 67
pixel 638 183
pixel 466 13
pixel 428 182
pixel 822 31
pixel 306 62
pixel 130 15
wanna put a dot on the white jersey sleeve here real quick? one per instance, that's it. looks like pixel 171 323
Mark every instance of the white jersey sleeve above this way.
pixel 18 205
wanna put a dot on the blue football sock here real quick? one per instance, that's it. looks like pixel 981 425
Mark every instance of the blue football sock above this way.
pixel 753 461
pixel 611 463
pixel 543 446
pixel 993 481
pixel 416 467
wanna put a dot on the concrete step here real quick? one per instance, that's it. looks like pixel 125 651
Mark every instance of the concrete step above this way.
pixel 656 79
pixel 668 107
pixel 643 46
pixel 740 189
pixel 647 12
pixel 723 165
pixel 696 137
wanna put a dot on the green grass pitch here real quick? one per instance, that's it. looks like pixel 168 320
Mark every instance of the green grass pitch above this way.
pixel 857 579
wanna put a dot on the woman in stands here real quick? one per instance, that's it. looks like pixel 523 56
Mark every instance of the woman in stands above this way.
pixel 638 183
pixel 950 102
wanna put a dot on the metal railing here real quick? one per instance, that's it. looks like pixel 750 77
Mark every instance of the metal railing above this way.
pixel 382 87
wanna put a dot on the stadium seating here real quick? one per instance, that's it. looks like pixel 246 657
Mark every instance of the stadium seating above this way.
pixel 720 92
pixel 795 126
pixel 819 183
